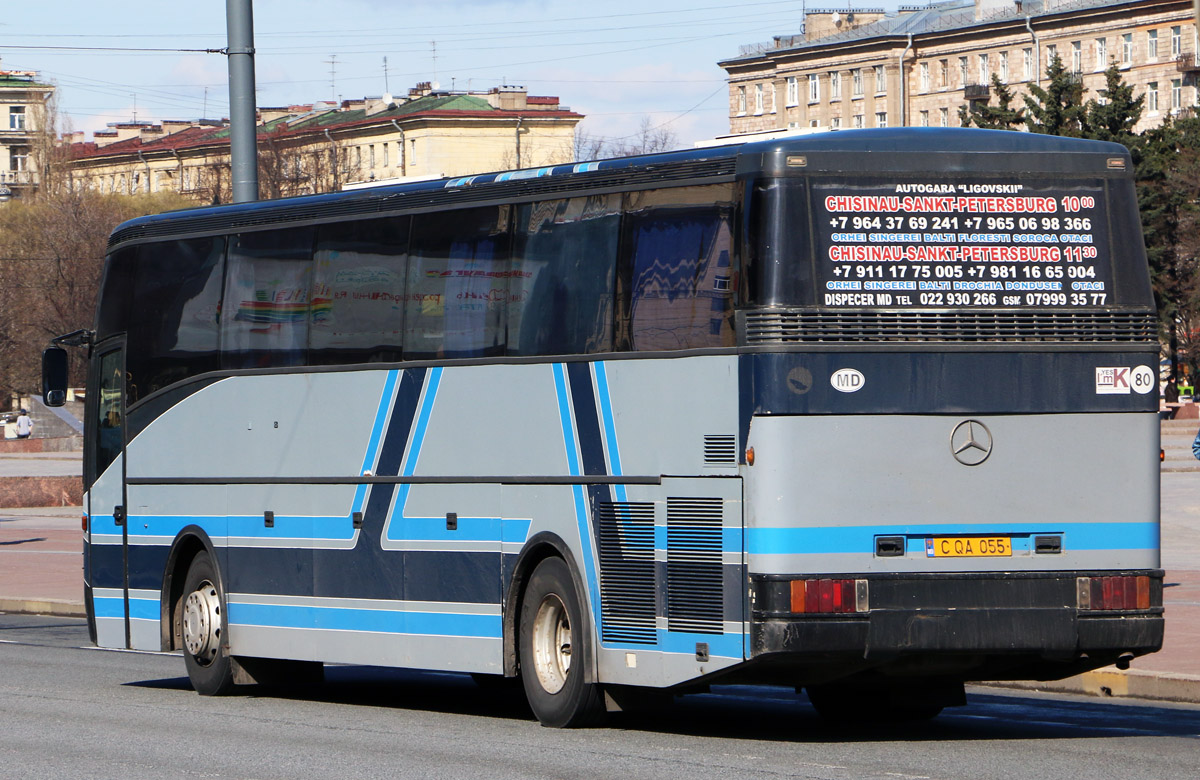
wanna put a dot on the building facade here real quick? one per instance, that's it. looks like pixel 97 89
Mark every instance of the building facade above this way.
pixel 329 147
pixel 24 109
pixel 919 66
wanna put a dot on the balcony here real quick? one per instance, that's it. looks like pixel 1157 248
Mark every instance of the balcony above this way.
pixel 18 177
pixel 1186 63
pixel 976 92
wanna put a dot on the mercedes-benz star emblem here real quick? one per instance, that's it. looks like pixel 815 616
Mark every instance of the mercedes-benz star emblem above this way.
pixel 971 442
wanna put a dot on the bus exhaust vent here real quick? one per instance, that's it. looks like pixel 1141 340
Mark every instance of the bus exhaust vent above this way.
pixel 720 451
pixel 627 571
pixel 796 326
pixel 694 573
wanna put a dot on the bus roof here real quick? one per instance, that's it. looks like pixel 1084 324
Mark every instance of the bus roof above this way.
pixel 850 150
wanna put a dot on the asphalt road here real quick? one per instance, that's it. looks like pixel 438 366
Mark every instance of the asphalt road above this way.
pixel 70 711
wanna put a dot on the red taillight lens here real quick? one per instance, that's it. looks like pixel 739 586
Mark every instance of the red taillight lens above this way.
pixel 1114 593
pixel 829 596
pixel 85 523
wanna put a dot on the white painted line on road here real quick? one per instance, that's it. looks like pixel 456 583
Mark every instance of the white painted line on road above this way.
pixel 125 650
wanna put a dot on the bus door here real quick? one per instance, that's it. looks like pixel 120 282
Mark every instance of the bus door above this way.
pixel 108 550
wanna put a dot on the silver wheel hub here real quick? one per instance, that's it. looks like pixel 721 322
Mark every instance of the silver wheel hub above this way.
pixel 552 644
pixel 202 622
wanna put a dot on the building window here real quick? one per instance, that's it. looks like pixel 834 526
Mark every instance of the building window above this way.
pixel 924 76
pixel 371 157
pixel 985 70
pixel 1077 54
pixel 1127 49
pixel 880 81
pixel 793 91
pixel 857 79
pixel 881 119
pixel 1176 94
pixel 814 88
pixel 858 121
pixel 1152 45
pixel 814 123
pixel 1176 42
pixel 962 72
pixel 1051 53
pixel 1152 97
pixel 758 99
pixel 1027 65
pixel 18 159
pixel 16 117
pixel 741 101
pixel 1101 54
pixel 944 74
pixel 835 85
pixel 944 117
pixel 835 123
pixel 771 95
pixel 1003 63
pixel 386 164
pixel 924 117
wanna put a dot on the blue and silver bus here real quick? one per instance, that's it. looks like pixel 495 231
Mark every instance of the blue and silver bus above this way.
pixel 871 414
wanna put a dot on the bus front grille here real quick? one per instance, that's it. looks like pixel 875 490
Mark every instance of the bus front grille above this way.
pixel 805 326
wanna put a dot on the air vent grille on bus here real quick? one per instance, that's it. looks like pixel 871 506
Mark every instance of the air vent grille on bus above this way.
pixel 774 326
pixel 627 571
pixel 720 450
pixel 694 572
pixel 387 200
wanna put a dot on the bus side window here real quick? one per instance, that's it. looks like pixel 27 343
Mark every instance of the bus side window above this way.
pixel 357 301
pixel 563 276
pixel 172 331
pixel 680 244
pixel 457 292
pixel 264 312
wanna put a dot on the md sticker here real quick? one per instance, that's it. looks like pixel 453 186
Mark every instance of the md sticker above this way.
pixel 1121 380
pixel 847 380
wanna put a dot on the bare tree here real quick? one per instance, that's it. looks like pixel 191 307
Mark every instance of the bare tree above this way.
pixel 648 139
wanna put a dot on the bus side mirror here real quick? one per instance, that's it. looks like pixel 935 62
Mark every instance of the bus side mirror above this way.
pixel 54 376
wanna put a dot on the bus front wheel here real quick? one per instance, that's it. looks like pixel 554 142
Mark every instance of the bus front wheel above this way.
pixel 553 636
pixel 202 626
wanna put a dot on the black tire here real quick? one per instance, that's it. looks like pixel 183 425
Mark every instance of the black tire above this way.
pixel 202 626
pixel 554 650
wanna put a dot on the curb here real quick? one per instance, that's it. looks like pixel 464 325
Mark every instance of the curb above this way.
pixel 1111 682
pixel 55 607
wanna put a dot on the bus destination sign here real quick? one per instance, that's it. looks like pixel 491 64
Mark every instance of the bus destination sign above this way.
pixel 955 244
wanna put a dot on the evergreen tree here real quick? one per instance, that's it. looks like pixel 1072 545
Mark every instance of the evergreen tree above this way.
pixel 1001 116
pixel 1115 118
pixel 1058 109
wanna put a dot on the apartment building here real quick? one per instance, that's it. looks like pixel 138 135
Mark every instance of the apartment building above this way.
pixel 325 147
pixel 23 116
pixel 854 68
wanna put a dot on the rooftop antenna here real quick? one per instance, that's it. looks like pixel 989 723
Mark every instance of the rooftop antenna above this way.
pixel 205 114
pixel 433 48
pixel 134 107
pixel 385 77
pixel 332 63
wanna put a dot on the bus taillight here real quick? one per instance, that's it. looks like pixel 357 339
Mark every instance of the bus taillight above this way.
pixel 829 596
pixel 1118 592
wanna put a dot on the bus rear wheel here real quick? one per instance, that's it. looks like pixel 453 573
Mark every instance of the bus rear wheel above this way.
pixel 553 650
pixel 202 626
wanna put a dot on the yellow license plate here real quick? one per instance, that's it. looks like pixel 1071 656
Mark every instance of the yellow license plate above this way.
pixel 968 546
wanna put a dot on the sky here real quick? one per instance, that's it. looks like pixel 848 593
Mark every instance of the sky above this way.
pixel 621 63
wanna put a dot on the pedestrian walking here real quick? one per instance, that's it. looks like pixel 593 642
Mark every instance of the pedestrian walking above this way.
pixel 1196 446
pixel 25 426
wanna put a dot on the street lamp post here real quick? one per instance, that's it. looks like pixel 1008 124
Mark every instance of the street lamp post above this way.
pixel 243 111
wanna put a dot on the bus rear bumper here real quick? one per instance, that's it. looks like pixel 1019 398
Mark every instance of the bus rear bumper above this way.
pixel 995 626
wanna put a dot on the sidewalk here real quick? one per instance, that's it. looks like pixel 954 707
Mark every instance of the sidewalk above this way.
pixel 41 572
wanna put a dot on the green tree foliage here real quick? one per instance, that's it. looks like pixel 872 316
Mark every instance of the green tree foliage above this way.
pixel 1058 109
pixel 1113 120
pixel 1001 116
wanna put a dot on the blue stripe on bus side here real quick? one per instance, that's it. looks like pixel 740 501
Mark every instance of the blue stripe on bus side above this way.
pixel 581 513
pixel 369 620
pixel 860 539
pixel 610 428
pixel 386 400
